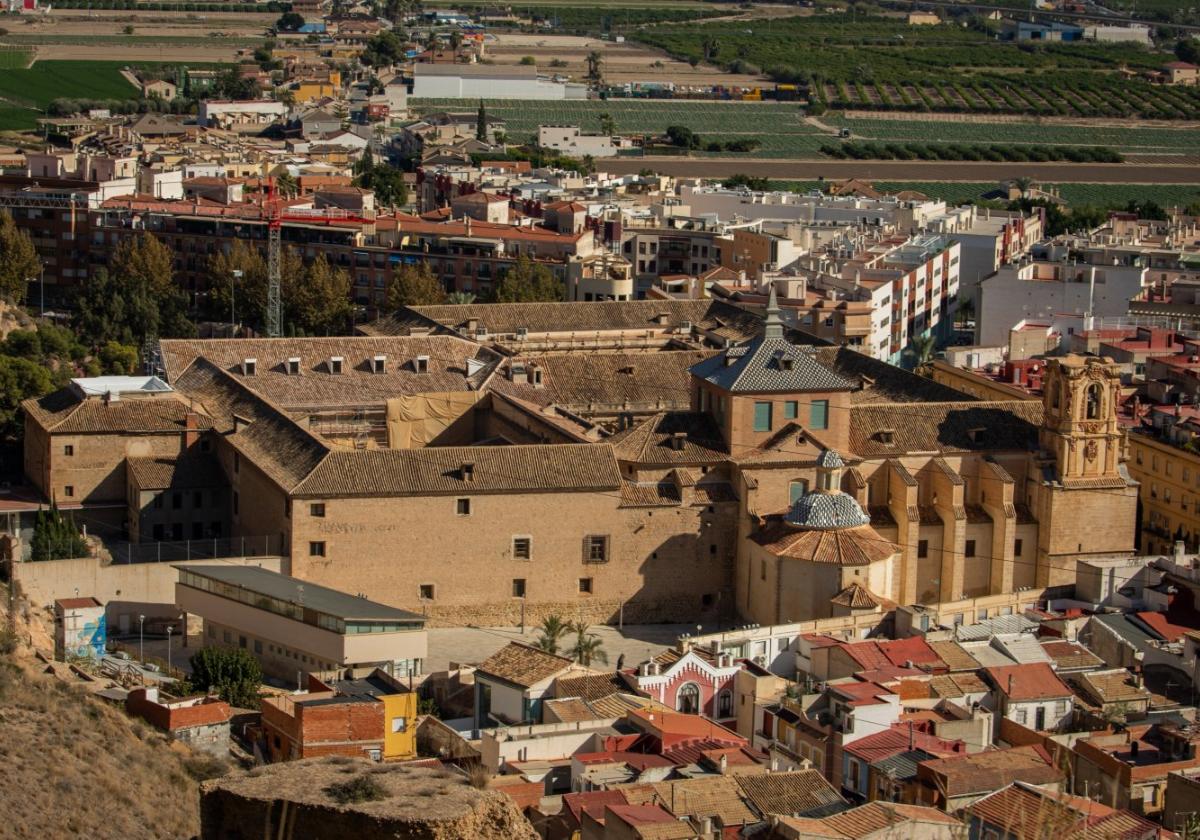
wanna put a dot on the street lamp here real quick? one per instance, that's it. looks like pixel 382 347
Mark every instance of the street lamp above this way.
pixel 141 639
pixel 235 275
pixel 170 627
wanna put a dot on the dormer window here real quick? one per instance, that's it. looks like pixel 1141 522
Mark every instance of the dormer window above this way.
pixel 522 332
pixel 249 367
pixel 886 436
pixel 677 440
pixel 785 363
pixel 421 364
pixel 976 434
pixel 467 471
pixel 379 364
pixel 537 377
pixel 293 366
pixel 335 364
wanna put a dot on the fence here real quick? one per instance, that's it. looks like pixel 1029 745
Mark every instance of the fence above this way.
pixel 185 550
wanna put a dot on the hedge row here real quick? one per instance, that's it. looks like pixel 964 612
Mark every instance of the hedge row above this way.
pixel 957 151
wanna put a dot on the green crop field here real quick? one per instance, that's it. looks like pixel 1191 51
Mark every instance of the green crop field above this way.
pixel 1132 139
pixel 1076 195
pixel 781 128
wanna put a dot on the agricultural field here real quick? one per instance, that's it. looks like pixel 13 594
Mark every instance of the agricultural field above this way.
pixel 1076 195
pixel 25 93
pixel 784 133
pixel 1133 139
pixel 779 127
pixel 877 63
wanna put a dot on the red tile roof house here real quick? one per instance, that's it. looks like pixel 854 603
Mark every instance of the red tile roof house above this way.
pixel 200 722
pixel 857 757
pixel 1025 812
pixel 1129 769
pixel 1031 695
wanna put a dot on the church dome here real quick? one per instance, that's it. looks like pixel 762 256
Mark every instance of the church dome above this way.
pixel 826 511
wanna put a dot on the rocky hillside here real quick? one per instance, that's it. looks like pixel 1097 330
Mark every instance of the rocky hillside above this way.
pixel 348 797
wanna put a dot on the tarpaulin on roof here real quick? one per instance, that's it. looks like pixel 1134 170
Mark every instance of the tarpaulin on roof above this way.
pixel 415 420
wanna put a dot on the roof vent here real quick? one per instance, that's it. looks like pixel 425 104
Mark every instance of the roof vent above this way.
pixel 678 439
pixel 335 364
pixel 685 327
pixel 481 332
pixel 249 367
pixel 379 364
pixel 662 318
pixel 467 471
pixel 421 364
pixel 627 370
pixel 293 366
pixel 522 332
pixel 887 436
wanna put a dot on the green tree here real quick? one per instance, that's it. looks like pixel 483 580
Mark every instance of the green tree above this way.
pixel 481 132
pixel 608 125
pixel 286 185
pixel 19 262
pixel 414 285
pixel 320 303
pixel 142 269
pixel 20 379
pixel 460 298
pixel 232 673
pixel 387 182
pixel 527 282
pixel 119 359
pixel 1188 49
pixel 289 22
pixel 587 647
pixel 248 293
pixel 383 49
pixel 55 537
pixel 595 68
pixel 551 633
pixel 920 350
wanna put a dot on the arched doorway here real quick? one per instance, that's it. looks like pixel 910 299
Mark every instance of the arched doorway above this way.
pixel 687 699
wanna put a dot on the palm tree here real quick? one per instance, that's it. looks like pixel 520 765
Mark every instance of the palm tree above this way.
pixel 588 647
pixel 608 126
pixel 462 298
pixel 1024 184
pixel 710 46
pixel 920 350
pixel 552 629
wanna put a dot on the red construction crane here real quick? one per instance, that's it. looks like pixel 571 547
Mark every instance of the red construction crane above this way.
pixel 276 213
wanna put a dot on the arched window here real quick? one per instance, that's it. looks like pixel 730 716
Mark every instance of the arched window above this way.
pixel 687 700
pixel 796 490
pixel 725 704
pixel 1091 409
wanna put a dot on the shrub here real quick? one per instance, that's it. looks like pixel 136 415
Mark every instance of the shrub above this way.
pixel 363 788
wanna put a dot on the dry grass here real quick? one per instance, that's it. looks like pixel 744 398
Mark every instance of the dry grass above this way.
pixel 78 767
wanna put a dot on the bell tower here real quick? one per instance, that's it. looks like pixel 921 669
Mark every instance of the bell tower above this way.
pixel 1080 428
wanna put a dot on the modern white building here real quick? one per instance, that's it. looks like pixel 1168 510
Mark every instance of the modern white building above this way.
pixel 570 140
pixel 227 113
pixel 1043 290
pixel 488 81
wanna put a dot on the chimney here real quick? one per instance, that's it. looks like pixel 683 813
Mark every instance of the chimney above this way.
pixel 724 764
pixel 1133 751
pixel 467 471
pixel 191 429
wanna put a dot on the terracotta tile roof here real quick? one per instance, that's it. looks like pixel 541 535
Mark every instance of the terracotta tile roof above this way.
pixel 650 442
pixel 593 802
pixel 1158 623
pixel 589 686
pixel 945 427
pixel 278 446
pixel 522 665
pixel 859 546
pixel 356 385
pixel 889 742
pixel 856 597
pixel 1029 681
pixel 873 819
pixel 1070 655
pixel 619 704
pixel 63 411
pixel 771 365
pixel 882 382
pixel 991 770
pixel 1110 686
pixel 579 381
pixel 571 710
pixel 954 655
pixel 439 470
pixel 718 796
pixel 184 472
pixel 800 792
pixel 657 494
pixel 504 319
pixel 1030 813
pixel 913 649
pixel 956 685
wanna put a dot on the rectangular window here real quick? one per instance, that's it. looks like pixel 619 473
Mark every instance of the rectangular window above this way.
pixel 258 646
pixel 317 509
pixel 426 592
pixel 595 549
pixel 796 491
pixel 69 449
pixel 176 501
pixel 316 548
pixel 198 499
pixel 69 491
pixel 399 724
pixel 762 417
pixel 1017 546
pixel 969 551
pixel 818 414
pixel 791 410
pixel 235 502
pixel 585 586
pixel 522 548
pixel 922 548
pixel 463 507
pixel 518 587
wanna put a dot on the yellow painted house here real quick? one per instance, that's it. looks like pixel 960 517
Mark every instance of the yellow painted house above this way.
pixel 399 726
pixel 306 90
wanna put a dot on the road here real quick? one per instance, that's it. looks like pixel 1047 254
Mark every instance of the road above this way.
pixel 895 170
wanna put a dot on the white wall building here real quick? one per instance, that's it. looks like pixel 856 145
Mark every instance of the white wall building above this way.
pixel 570 140
pixel 486 81
pixel 227 113
pixel 1046 290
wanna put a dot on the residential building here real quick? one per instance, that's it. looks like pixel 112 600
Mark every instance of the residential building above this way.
pixel 373 716
pixel 294 627
pixel 1129 769
pixel 694 681
pixel 1032 695
pixel 511 684
pixel 952 784
pixel 1025 812
pixel 872 821
pixel 201 722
